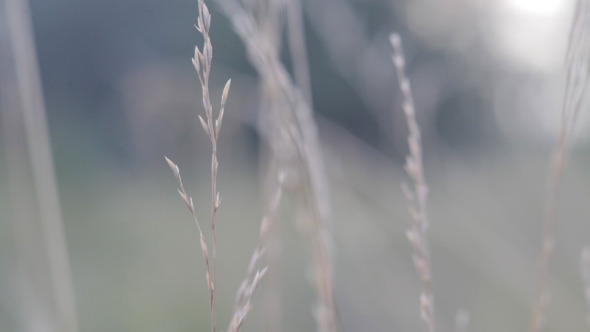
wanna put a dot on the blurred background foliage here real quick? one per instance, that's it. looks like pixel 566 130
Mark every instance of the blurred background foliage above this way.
pixel 121 93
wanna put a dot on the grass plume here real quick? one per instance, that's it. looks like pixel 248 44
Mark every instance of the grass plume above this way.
pixel 202 60
pixel 212 126
pixel 418 195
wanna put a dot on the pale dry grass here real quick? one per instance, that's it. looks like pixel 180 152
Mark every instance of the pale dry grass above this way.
pixel 254 274
pixel 356 58
pixel 295 144
pixel 297 147
pixel 212 126
pixel 29 251
pixel 32 104
pixel 418 195
pixel 578 53
pixel 298 49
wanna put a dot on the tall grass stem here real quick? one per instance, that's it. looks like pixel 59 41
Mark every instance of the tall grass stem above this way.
pixel 40 154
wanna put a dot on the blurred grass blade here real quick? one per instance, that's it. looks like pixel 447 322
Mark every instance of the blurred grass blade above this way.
pixel 36 130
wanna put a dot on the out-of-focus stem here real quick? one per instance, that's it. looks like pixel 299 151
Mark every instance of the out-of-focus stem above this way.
pixel 298 49
pixel 300 131
pixel 28 251
pixel 418 196
pixel 32 103
pixel 577 60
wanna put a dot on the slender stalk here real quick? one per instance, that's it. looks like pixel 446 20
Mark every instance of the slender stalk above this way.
pixel 214 164
pixel 302 149
pixel 33 107
pixel 28 249
pixel 272 296
pixel 205 61
pixel 188 200
pixel 255 274
pixel 298 48
pixel 418 196
pixel 298 114
pixel 202 61
pixel 577 56
pixel 332 19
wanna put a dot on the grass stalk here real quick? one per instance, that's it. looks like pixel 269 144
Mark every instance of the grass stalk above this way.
pixel 202 61
pixel 295 119
pixel 38 140
pixel 298 48
pixel 418 195
pixel 212 126
pixel 188 200
pixel 255 274
pixel 577 56
pixel 29 253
